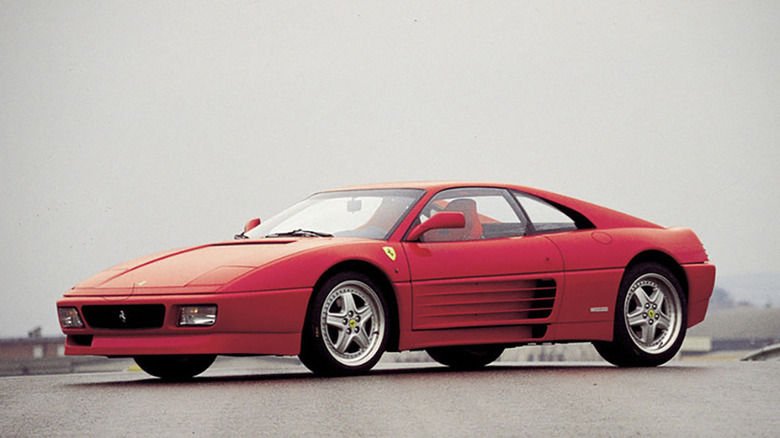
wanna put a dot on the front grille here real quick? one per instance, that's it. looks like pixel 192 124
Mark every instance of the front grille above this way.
pixel 135 316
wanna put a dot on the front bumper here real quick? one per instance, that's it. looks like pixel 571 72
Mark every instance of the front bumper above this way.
pixel 268 322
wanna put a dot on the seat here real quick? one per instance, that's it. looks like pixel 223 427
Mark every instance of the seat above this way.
pixel 472 230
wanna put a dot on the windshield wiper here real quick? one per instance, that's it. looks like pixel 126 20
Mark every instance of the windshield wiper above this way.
pixel 300 232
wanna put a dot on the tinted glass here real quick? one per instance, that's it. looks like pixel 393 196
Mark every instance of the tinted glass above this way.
pixel 371 214
pixel 545 217
pixel 489 214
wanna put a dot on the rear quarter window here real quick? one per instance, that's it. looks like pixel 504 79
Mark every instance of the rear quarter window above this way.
pixel 544 217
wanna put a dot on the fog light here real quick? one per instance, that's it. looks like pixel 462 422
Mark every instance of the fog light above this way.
pixel 202 315
pixel 69 318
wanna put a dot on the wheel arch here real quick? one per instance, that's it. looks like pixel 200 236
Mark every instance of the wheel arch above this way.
pixel 663 259
pixel 382 280
pixel 623 349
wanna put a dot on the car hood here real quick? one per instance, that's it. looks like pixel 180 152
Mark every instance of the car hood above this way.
pixel 198 269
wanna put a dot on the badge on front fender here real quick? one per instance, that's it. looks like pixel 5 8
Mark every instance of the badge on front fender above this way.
pixel 390 251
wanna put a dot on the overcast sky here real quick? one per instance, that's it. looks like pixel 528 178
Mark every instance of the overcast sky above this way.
pixel 132 127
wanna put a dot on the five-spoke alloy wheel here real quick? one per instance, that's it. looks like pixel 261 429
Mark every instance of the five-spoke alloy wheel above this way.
pixel 650 318
pixel 347 326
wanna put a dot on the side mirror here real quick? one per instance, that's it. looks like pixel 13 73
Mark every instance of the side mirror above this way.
pixel 251 225
pixel 444 219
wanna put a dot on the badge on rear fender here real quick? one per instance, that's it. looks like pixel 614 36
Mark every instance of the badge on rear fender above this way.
pixel 390 251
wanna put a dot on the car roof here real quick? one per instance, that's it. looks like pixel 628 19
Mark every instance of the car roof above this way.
pixel 601 217
pixel 424 185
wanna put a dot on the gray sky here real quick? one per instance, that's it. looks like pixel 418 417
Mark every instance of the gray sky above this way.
pixel 128 128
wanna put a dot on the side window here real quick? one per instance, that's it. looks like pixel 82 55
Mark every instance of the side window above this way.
pixel 489 214
pixel 544 217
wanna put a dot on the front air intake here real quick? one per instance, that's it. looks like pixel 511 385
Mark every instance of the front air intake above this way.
pixel 135 316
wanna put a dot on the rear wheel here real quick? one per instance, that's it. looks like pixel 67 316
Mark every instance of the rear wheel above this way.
pixel 175 367
pixel 469 357
pixel 650 318
pixel 347 326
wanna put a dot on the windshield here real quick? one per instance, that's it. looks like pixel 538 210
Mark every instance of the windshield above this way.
pixel 371 214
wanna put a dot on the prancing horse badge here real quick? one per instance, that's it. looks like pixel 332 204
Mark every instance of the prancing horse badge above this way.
pixel 390 251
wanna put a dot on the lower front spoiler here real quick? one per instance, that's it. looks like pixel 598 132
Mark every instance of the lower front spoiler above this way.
pixel 283 344
pixel 251 323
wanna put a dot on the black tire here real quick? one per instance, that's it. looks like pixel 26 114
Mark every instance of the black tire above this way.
pixel 469 357
pixel 347 326
pixel 175 367
pixel 651 318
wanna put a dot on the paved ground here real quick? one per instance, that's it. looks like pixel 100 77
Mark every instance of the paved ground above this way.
pixel 252 397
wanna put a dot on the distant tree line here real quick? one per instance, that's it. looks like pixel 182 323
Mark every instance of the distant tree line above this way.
pixel 721 300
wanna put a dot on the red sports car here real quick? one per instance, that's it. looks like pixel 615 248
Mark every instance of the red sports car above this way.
pixel 461 270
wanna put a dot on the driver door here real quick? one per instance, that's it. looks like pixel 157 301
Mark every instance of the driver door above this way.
pixel 487 274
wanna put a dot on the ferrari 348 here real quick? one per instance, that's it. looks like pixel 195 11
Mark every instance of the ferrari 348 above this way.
pixel 461 270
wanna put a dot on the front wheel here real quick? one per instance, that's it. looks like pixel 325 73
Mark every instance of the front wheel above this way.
pixel 650 318
pixel 175 367
pixel 469 357
pixel 347 326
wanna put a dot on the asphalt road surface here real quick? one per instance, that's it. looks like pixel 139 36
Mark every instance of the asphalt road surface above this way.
pixel 251 397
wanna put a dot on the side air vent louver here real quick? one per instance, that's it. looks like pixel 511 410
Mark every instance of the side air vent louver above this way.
pixel 507 302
